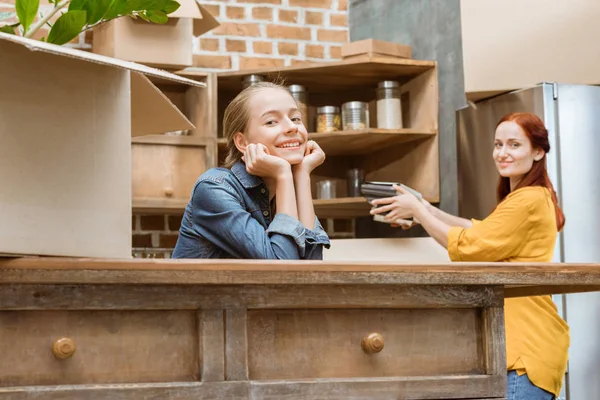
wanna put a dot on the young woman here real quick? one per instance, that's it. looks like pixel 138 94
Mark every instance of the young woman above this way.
pixel 259 205
pixel 522 228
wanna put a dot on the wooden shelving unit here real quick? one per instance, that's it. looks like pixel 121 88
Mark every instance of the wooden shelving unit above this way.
pixel 408 155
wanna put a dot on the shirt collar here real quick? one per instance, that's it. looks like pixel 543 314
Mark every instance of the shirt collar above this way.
pixel 247 180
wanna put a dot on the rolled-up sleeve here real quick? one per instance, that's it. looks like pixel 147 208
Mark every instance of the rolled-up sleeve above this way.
pixel 496 238
pixel 316 239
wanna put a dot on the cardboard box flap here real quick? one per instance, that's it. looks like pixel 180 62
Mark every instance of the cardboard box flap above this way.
pixel 203 20
pixel 36 45
pixel 207 23
pixel 151 111
pixel 187 9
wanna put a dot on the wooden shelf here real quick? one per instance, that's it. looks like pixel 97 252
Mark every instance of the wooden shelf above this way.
pixel 176 140
pixel 323 77
pixel 346 207
pixel 142 205
pixel 366 141
pixel 363 141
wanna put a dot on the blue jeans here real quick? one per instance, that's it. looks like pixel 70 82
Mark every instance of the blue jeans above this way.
pixel 521 388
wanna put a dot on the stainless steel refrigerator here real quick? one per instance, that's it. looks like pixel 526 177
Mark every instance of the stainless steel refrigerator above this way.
pixel 571 114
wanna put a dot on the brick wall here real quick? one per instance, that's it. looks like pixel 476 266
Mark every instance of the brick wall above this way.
pixel 272 33
pixel 253 34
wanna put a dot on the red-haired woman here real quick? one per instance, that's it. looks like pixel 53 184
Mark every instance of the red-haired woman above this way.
pixel 522 228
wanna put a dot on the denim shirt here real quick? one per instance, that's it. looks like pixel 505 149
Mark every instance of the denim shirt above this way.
pixel 229 216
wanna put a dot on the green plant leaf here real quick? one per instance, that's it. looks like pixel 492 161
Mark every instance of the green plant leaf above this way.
pixel 67 27
pixel 26 11
pixel 6 15
pixel 95 9
pixel 158 17
pixel 171 6
pixel 8 29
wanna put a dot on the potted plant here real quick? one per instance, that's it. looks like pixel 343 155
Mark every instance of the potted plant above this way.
pixel 77 16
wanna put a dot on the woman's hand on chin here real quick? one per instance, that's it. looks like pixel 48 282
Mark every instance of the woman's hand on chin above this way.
pixel 260 162
pixel 313 157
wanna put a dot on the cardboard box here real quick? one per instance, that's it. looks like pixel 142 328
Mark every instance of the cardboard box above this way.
pixel 166 46
pixel 513 44
pixel 375 48
pixel 66 122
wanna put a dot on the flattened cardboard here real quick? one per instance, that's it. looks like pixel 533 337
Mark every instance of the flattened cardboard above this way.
pixel 544 44
pixel 375 47
pixel 65 155
pixel 167 46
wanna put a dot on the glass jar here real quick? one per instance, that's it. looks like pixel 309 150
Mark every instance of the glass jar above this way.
pixel 328 119
pixel 355 115
pixel 300 95
pixel 389 109
pixel 250 80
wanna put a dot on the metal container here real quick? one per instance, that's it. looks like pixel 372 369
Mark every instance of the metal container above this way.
pixel 250 80
pixel 355 115
pixel 301 96
pixel 389 109
pixel 326 189
pixel 328 119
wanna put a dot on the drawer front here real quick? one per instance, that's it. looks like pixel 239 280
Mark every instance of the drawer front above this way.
pixel 166 171
pixel 327 343
pixel 110 347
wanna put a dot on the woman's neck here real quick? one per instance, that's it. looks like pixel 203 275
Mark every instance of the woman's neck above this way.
pixel 514 182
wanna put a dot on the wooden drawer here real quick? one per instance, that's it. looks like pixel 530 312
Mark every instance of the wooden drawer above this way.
pixel 327 343
pixel 110 347
pixel 166 167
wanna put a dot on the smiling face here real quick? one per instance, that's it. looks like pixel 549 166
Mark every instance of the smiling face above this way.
pixel 513 153
pixel 276 122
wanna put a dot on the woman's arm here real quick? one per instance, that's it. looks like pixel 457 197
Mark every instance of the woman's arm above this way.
pixel 304 202
pixel 446 218
pixel 313 158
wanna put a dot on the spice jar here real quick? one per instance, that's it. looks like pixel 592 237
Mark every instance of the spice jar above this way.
pixel 250 80
pixel 299 94
pixel 389 110
pixel 328 119
pixel 355 115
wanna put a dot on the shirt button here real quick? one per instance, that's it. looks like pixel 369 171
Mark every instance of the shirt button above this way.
pixel 263 191
pixel 265 213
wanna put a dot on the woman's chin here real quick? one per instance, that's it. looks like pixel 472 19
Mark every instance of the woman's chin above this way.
pixel 294 160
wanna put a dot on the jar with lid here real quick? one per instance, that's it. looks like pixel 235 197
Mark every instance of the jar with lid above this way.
pixel 328 119
pixel 300 95
pixel 389 110
pixel 355 115
pixel 250 80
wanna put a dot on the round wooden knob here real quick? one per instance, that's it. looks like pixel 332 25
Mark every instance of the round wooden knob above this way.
pixel 63 348
pixel 373 343
pixel 169 192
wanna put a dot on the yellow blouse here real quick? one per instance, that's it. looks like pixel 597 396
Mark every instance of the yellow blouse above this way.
pixel 522 229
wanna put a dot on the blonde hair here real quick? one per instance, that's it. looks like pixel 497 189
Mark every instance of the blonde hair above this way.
pixel 237 115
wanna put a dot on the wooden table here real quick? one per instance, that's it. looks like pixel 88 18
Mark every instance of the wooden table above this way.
pixel 182 329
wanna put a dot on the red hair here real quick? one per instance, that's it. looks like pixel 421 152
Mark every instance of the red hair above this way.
pixel 537 133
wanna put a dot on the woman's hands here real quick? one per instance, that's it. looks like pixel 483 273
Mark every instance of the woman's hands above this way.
pixel 401 206
pixel 313 157
pixel 260 162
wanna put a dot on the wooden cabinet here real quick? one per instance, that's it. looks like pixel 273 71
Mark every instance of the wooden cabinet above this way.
pixel 165 167
pixel 409 155
pixel 206 329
